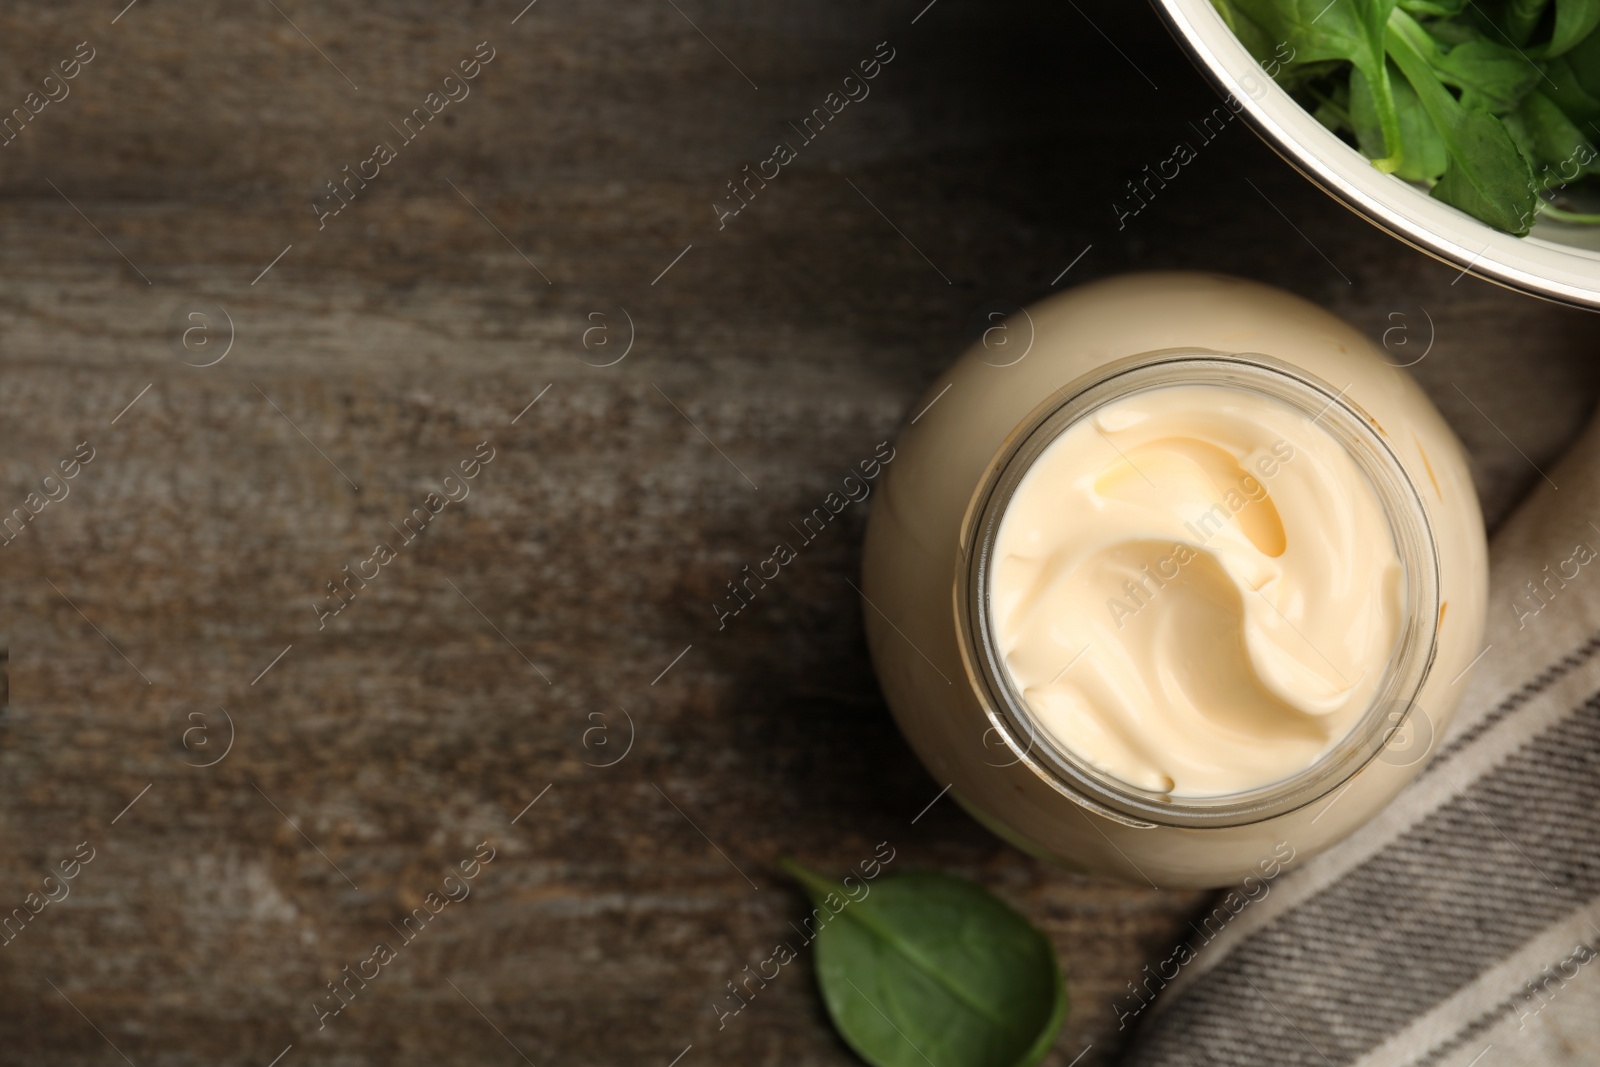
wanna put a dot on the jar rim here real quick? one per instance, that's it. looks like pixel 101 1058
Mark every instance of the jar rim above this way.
pixel 1410 660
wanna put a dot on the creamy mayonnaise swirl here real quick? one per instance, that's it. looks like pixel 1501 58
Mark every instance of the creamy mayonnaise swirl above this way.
pixel 1196 590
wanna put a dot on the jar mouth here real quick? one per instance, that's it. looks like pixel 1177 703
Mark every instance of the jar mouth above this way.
pixel 1410 660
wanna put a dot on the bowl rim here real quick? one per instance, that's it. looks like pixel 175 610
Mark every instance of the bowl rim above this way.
pixel 1533 264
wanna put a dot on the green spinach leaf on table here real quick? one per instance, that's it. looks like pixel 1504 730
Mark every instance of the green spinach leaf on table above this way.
pixel 926 968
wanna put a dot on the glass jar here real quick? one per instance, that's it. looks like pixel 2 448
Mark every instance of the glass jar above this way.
pixel 927 571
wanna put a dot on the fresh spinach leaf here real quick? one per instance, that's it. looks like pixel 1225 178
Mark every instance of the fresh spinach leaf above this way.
pixel 1487 176
pixel 1489 75
pixel 1443 91
pixel 1575 20
pixel 1433 8
pixel 1555 147
pixel 1424 156
pixel 1584 61
pixel 1570 94
pixel 1521 18
pixel 929 969
pixel 1299 77
pixel 1350 30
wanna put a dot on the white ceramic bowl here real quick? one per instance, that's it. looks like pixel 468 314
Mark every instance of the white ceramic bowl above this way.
pixel 1556 261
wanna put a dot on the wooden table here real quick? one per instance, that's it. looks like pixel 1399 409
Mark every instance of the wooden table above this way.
pixel 505 256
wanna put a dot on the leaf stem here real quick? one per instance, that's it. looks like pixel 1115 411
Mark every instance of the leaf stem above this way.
pixel 1388 121
pixel 817 886
pixel 1575 218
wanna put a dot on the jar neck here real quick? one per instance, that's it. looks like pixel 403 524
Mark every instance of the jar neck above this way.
pixel 1342 420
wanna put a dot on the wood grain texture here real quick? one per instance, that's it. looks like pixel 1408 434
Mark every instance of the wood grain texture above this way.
pixel 381 349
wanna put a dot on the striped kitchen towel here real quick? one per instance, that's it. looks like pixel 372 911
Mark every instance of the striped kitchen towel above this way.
pixel 1461 927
